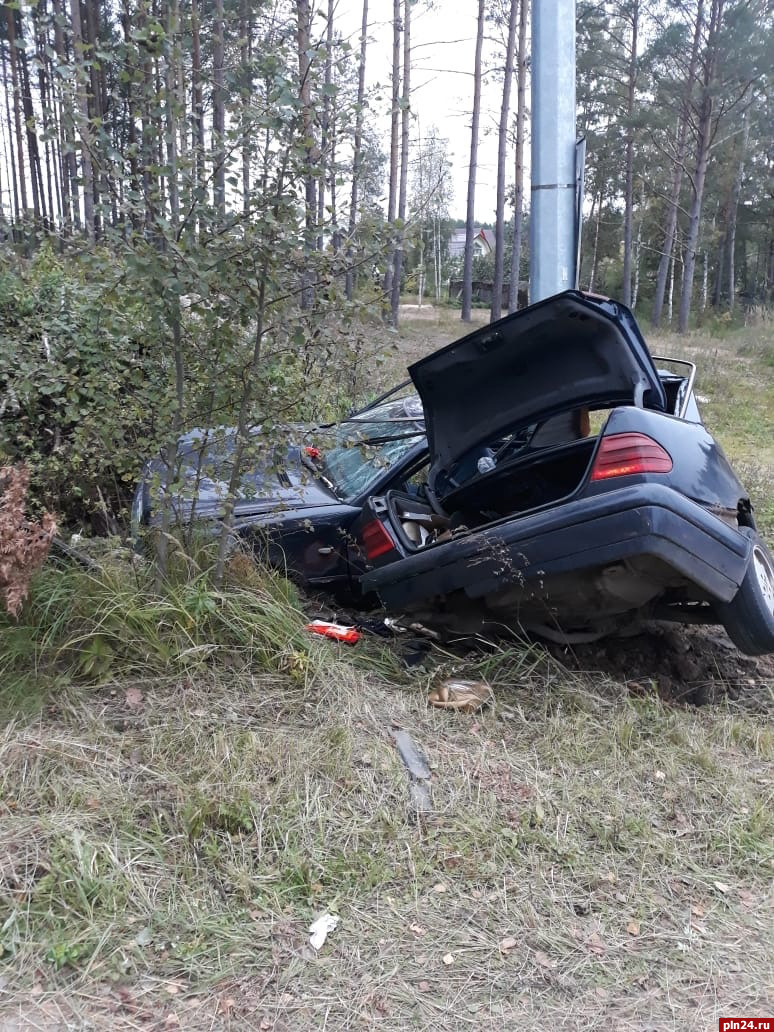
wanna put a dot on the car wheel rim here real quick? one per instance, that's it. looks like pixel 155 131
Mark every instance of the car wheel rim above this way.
pixel 765 577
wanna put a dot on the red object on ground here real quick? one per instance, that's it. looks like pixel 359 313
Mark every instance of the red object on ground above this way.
pixel 313 453
pixel 333 630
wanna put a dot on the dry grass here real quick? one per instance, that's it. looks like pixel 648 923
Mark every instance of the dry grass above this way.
pixel 164 850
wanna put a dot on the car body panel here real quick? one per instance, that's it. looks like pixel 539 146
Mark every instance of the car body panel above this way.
pixel 587 534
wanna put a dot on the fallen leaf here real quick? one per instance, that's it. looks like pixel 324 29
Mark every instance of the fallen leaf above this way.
pixel 439 887
pixel 508 943
pixel 543 959
pixel 448 959
pixel 172 988
pixel 660 775
pixel 144 937
pixel 265 1025
pixel 172 1021
pixel 633 928
pixel 601 993
pixel 747 899
pixel 697 911
pixel 225 1005
pixel 424 987
pixel 133 698
pixel 720 886
pixel 594 944
pixel 417 929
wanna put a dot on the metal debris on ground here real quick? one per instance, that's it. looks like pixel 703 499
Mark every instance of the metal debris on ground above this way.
pixel 462 696
pixel 415 762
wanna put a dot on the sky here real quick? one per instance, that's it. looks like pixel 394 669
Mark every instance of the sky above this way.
pixel 443 42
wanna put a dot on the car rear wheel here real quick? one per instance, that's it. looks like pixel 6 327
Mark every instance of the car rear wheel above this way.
pixel 749 616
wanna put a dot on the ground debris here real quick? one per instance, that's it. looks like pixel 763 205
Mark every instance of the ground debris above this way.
pixel 462 696
pixel 415 762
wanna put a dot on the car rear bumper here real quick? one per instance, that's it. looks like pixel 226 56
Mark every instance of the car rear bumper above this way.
pixel 644 519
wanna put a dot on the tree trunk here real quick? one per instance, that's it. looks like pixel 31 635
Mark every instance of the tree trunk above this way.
pixel 681 151
pixel 218 117
pixel 404 154
pixel 69 172
pixel 246 34
pixel 13 175
pixel 46 104
pixel 10 21
pixel 30 124
pixel 82 119
pixel 703 145
pixel 638 249
pixel 595 249
pixel 732 214
pixel 95 107
pixel 502 147
pixel 197 98
pixel 394 124
pixel 357 145
pixel 518 193
pixel 629 187
pixel 325 162
pixel 670 298
pixel 170 86
pixel 304 14
pixel 467 271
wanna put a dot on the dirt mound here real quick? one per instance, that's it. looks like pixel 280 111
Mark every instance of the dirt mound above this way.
pixel 698 665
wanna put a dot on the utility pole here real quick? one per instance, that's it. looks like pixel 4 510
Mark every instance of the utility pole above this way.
pixel 552 211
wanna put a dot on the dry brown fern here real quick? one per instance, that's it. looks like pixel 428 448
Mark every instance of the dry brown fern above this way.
pixel 24 544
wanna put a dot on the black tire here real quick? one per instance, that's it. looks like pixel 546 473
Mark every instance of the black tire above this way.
pixel 749 617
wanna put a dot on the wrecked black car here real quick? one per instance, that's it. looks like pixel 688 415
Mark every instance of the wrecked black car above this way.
pixel 301 489
pixel 551 477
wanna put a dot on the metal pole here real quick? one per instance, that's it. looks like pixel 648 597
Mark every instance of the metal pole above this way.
pixel 552 211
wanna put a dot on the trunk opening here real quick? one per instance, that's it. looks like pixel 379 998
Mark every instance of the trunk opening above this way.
pixel 513 488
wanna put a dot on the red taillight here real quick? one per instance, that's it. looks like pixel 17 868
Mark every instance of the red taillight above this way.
pixel 376 540
pixel 624 455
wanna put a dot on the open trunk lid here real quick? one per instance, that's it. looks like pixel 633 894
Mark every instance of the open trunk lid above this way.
pixel 568 351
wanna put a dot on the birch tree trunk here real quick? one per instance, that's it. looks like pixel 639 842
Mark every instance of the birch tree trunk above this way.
pixel 83 120
pixel 467 272
pixel 518 193
pixel 394 126
pixel 357 145
pixel 629 188
pixel 502 147
pixel 732 215
pixel 218 116
pixel 404 156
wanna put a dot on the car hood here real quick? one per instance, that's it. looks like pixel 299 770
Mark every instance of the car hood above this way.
pixel 567 351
